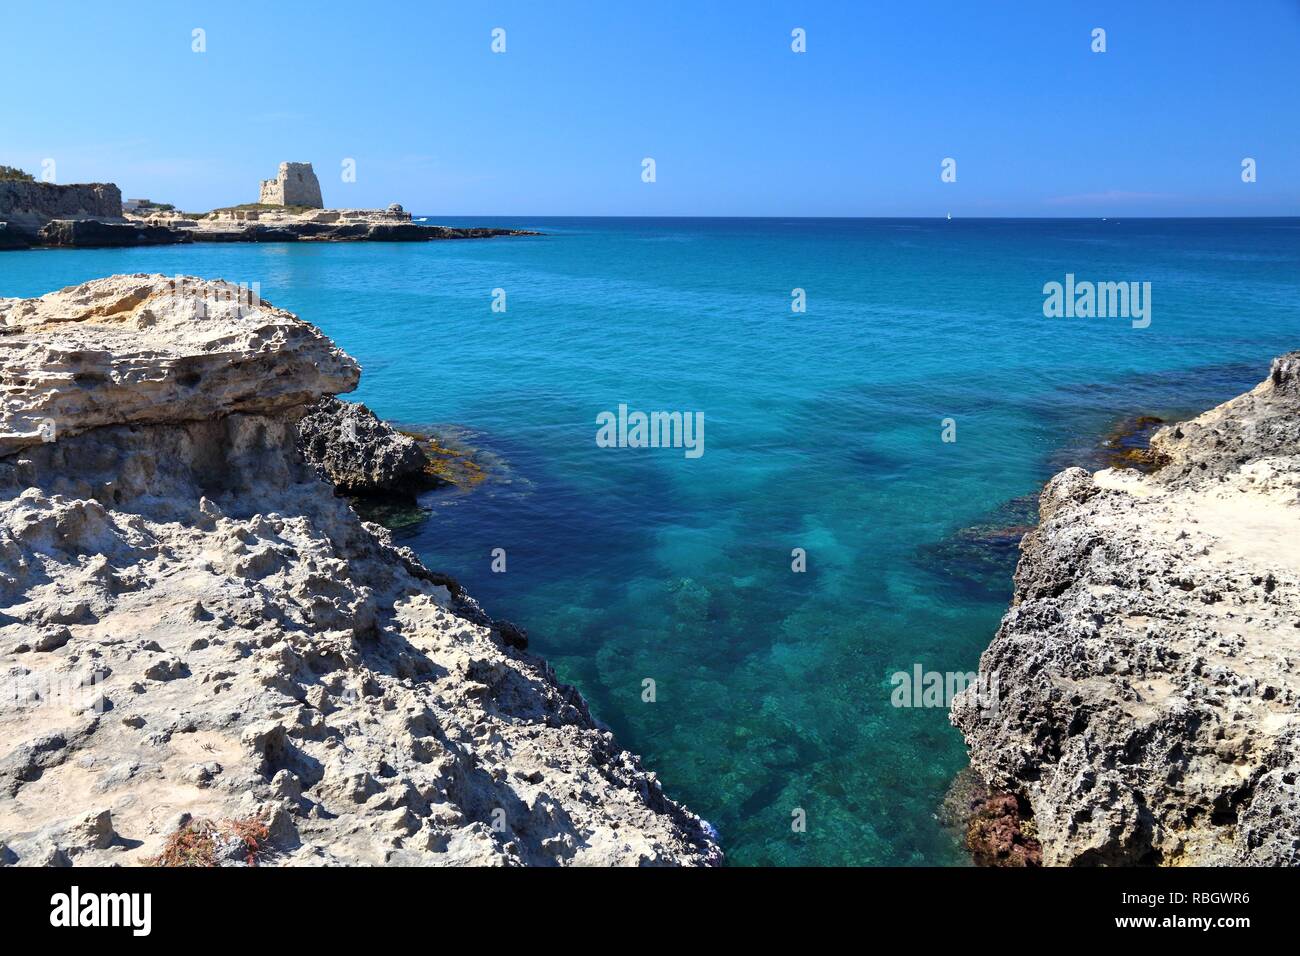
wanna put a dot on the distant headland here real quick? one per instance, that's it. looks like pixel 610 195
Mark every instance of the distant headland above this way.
pixel 290 208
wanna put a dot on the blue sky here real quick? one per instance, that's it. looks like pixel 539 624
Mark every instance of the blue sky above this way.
pixel 737 123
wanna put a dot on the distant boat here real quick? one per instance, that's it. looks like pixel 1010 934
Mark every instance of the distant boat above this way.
pixel 423 219
pixel 949 215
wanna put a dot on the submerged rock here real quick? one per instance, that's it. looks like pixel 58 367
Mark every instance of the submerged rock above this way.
pixel 270 658
pixel 1129 444
pixel 1149 695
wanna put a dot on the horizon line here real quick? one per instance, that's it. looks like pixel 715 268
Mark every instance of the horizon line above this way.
pixel 939 218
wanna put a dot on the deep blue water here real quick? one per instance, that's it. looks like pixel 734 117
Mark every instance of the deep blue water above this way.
pixel 823 432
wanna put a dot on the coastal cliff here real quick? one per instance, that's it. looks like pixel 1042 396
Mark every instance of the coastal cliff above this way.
pixel 206 654
pixel 1148 709
pixel 29 206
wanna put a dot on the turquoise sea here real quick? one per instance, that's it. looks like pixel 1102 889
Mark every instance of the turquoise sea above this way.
pixel 823 432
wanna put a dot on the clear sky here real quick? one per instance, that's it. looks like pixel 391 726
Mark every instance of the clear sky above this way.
pixel 737 123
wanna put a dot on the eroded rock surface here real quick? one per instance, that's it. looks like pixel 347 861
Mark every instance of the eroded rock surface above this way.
pixel 94 234
pixel 27 206
pixel 1149 668
pixel 359 452
pixel 193 625
pixel 148 349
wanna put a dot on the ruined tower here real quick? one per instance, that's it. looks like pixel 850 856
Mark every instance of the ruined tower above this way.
pixel 296 185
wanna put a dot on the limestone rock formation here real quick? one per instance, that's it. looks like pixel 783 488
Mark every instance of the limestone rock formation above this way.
pixel 360 453
pixel 1149 668
pixel 93 234
pixel 28 206
pixel 147 349
pixel 194 627
pixel 295 185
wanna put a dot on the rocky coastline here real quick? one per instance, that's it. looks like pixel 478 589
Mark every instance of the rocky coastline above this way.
pixel 26 207
pixel 1148 677
pixel 272 224
pixel 92 215
pixel 208 657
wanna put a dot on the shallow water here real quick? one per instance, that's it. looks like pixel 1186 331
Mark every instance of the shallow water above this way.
pixel 823 432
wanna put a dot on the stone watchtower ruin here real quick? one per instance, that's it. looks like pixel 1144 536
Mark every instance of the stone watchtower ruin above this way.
pixel 296 185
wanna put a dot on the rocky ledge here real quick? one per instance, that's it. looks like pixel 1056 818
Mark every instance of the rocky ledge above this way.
pixel 1148 672
pixel 285 224
pixel 206 655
